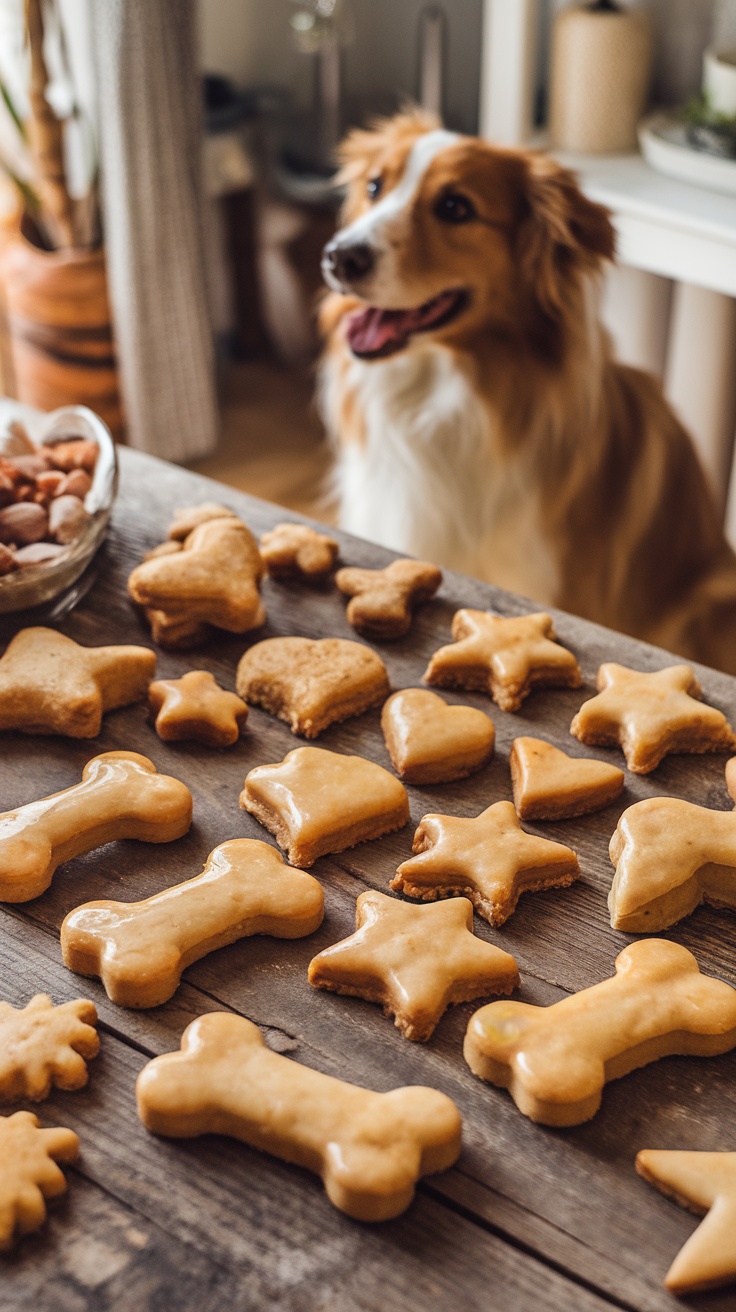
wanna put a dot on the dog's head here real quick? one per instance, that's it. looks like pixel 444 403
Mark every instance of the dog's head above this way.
pixel 447 235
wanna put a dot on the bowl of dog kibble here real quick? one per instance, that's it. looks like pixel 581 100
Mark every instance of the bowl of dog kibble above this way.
pixel 58 478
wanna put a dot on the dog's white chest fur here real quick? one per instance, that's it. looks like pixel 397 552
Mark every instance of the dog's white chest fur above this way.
pixel 428 478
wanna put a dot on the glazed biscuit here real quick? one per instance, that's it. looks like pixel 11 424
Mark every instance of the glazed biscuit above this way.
pixel 550 785
pixel 315 802
pixel 295 551
pixel 312 684
pixel 369 1148
pixel 488 859
pixel 651 715
pixel 383 600
pixel 669 856
pixel 42 1046
pixel 555 1060
pixel 706 1184
pixel 49 684
pixel 29 1174
pixel 121 796
pixel 430 742
pixel 196 707
pixel 414 961
pixel 139 949
pixel 506 658
pixel 215 578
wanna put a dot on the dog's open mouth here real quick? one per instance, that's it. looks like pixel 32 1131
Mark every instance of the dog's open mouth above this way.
pixel 373 333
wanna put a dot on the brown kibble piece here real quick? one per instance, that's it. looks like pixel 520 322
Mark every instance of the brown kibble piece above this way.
pixel 67 519
pixel 382 600
pixel 38 553
pixel 7 489
pixel 78 454
pixel 23 523
pixel 76 484
pixel 7 561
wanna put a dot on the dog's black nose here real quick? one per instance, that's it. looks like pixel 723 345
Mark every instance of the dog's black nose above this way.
pixel 348 264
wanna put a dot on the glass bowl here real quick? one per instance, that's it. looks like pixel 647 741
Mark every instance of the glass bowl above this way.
pixel 38 585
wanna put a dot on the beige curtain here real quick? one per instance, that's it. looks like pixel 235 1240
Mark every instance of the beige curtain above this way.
pixel 149 120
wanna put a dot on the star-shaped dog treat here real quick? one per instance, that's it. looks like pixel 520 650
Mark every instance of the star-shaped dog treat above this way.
pixel 312 683
pixel 28 1172
pixel 489 859
pixel 196 707
pixel 705 1183
pixel 295 551
pixel 382 600
pixel 550 785
pixel 42 1045
pixel 414 961
pixel 315 802
pixel 503 657
pixel 651 715
pixel 49 684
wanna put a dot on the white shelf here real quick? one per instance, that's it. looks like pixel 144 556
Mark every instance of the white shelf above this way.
pixel 663 226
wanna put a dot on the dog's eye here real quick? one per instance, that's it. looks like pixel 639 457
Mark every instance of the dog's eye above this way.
pixel 454 208
pixel 374 188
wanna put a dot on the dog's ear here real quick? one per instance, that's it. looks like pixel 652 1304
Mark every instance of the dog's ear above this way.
pixel 563 232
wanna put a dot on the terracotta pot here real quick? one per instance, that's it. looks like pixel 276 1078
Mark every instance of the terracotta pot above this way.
pixel 60 334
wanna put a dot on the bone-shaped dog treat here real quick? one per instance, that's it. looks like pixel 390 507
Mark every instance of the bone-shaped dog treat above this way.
pixel 555 1060
pixel 369 1148
pixel 670 855
pixel 120 796
pixel 139 949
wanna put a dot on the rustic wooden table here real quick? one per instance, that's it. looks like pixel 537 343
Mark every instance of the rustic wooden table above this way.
pixel 531 1218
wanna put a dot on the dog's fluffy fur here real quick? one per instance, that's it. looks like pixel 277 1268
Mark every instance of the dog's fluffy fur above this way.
pixel 489 427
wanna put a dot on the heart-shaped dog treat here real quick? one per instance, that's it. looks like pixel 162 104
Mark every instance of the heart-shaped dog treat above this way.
pixel 550 785
pixel 312 683
pixel 430 742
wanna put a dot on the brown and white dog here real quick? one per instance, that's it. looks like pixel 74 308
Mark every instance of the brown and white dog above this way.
pixel 480 418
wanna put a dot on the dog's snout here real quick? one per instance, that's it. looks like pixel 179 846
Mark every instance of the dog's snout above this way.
pixel 348 264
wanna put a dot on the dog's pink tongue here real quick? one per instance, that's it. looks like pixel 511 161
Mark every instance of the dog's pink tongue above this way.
pixel 372 332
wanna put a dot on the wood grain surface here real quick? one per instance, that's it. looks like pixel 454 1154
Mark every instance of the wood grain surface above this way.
pixel 530 1218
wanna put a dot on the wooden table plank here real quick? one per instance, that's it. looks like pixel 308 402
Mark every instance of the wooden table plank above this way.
pixel 569 1196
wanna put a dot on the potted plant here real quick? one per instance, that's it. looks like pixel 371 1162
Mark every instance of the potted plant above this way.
pixel 52 263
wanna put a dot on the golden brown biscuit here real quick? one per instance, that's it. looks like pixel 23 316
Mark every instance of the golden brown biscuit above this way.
pixel 42 1045
pixel 382 600
pixel 196 707
pixel 139 949
pixel 506 658
pixel 214 579
pixel 49 684
pixel 414 961
pixel 369 1148
pixel 120 796
pixel 488 859
pixel 651 715
pixel 669 856
pixel 187 518
pixel 430 742
pixel 315 802
pixel 550 785
pixel 555 1060
pixel 312 683
pixel 29 1174
pixel 704 1183
pixel 296 551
